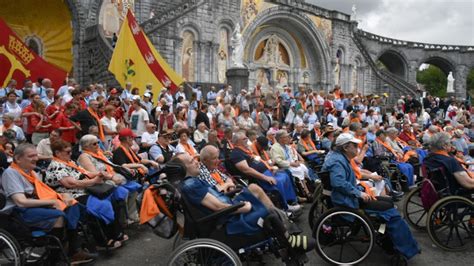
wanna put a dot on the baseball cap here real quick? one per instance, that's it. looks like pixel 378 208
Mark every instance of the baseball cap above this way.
pixel 146 94
pixel 346 138
pixel 127 132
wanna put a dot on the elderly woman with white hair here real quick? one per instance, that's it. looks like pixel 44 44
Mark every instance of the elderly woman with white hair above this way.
pixel 93 160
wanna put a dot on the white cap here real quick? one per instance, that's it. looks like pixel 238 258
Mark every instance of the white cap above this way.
pixel 135 97
pixel 146 94
pixel 346 138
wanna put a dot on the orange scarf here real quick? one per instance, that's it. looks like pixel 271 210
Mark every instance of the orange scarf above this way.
pixel 257 117
pixel 252 155
pixel 305 144
pixel 133 158
pixel 101 157
pixel 444 153
pixel 42 190
pixel 303 105
pixel 99 124
pixel 388 147
pixel 410 135
pixel 256 152
pixel 152 205
pixel 401 142
pixel 358 175
pixel 72 164
pixel 217 177
pixel 318 132
pixel 362 138
pixel 463 164
pixel 189 149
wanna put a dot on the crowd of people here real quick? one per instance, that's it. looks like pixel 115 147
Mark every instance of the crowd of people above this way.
pixel 56 144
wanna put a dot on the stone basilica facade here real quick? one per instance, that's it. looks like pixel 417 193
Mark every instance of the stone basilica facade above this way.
pixel 285 42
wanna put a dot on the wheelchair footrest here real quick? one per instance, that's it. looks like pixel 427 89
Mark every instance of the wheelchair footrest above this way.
pixel 259 247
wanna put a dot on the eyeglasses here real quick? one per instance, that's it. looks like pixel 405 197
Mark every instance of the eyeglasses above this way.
pixel 68 152
pixel 95 143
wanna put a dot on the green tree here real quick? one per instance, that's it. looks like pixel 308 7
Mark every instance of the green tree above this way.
pixel 470 82
pixel 433 79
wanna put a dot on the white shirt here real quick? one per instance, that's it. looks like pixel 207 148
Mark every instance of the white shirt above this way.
pixel 110 124
pixel 178 94
pixel 198 93
pixel 138 121
pixel 13 109
pixel 200 136
pixel 149 138
pixel 63 90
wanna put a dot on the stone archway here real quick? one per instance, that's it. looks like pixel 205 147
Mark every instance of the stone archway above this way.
pixel 308 51
pixel 395 63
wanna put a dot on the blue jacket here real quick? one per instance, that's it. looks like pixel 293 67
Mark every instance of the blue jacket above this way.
pixel 343 180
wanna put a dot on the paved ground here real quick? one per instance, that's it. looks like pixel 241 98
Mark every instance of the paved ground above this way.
pixel 145 248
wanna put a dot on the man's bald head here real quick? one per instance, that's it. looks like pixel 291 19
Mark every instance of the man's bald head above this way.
pixel 210 157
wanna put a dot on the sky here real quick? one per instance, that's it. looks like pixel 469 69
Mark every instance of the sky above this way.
pixel 430 21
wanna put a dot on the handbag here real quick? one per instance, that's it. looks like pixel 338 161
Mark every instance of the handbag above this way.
pixel 163 226
pixel 100 191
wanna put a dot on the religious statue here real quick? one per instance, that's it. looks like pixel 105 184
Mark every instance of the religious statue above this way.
pixel 306 78
pixel 187 63
pixel 337 73
pixel 238 52
pixel 221 66
pixel 282 78
pixel 450 87
pixel 110 18
pixel 354 13
pixel 262 78
pixel 355 78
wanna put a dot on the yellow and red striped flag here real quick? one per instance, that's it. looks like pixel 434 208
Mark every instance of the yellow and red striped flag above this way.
pixel 135 60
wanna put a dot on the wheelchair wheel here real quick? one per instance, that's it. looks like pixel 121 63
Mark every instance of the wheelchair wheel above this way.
pixel 204 251
pixel 413 210
pixel 317 208
pixel 344 236
pixel 10 250
pixel 450 223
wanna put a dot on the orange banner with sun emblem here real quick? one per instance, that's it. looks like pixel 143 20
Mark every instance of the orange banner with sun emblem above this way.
pixel 135 60
pixel 18 62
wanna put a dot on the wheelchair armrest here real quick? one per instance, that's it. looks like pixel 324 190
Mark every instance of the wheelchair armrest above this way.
pixel 232 193
pixel 221 213
pixel 239 179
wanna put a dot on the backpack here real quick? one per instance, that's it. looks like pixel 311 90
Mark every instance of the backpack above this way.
pixel 428 194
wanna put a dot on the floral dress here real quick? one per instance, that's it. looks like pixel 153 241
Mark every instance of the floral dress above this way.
pixel 56 172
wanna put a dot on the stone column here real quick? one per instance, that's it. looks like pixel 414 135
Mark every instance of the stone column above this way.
pixel 238 78
pixel 412 70
pixel 460 82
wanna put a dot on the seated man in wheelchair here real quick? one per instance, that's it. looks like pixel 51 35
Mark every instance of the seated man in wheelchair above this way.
pixel 380 148
pixel 439 157
pixel 346 193
pixel 269 178
pixel 255 217
pixel 38 206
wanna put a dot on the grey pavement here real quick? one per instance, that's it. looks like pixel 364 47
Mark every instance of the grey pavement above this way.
pixel 145 248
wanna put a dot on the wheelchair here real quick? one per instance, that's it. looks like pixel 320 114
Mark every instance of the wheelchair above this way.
pixel 384 167
pixel 203 236
pixel 446 214
pixel 18 243
pixel 346 236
